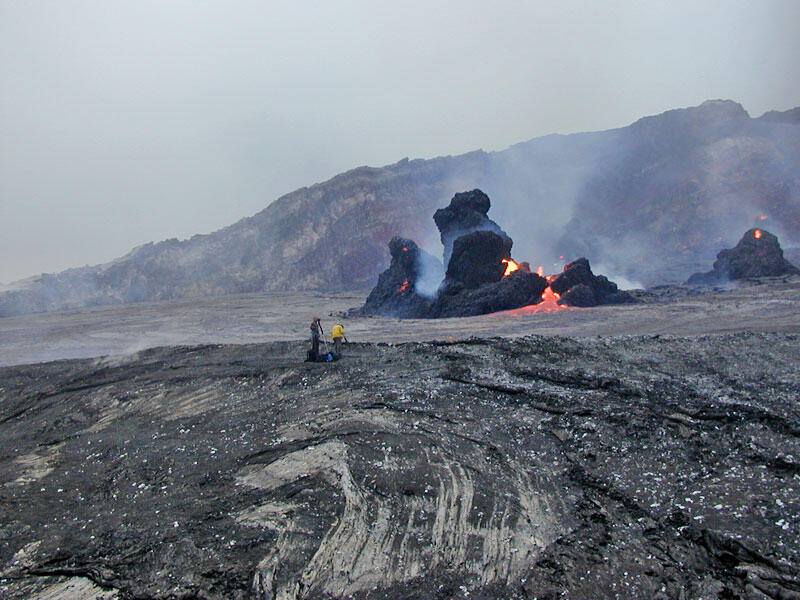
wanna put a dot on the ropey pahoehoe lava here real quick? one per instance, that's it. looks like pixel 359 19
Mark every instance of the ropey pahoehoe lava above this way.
pixel 607 467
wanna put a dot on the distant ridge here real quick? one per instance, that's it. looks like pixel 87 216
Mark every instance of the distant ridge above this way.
pixel 653 202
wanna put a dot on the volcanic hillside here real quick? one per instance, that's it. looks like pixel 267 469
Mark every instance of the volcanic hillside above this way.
pixel 654 201
pixel 684 185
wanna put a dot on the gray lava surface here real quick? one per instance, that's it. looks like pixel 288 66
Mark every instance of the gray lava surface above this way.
pixel 757 305
pixel 651 466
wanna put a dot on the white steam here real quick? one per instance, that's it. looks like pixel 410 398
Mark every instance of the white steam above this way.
pixel 429 278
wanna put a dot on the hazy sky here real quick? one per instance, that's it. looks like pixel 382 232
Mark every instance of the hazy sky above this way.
pixel 134 121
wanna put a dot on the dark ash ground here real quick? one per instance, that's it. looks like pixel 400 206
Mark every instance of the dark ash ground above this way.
pixel 633 466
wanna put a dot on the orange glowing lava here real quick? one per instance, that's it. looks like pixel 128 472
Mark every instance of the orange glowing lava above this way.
pixel 404 287
pixel 548 295
pixel 511 266
pixel 405 249
pixel 548 304
pixel 757 233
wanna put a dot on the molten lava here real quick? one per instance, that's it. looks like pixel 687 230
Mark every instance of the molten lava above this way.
pixel 511 266
pixel 548 304
pixel 404 287
pixel 757 234
pixel 549 297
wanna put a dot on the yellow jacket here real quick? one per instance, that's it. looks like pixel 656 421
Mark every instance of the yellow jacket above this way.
pixel 337 331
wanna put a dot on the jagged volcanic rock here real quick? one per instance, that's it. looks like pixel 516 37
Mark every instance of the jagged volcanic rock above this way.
pixel 475 283
pixel 578 286
pixel 395 294
pixel 518 289
pixel 579 295
pixel 758 254
pixel 467 212
pixel 477 258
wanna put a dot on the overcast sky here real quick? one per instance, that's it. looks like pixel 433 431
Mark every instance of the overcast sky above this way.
pixel 134 121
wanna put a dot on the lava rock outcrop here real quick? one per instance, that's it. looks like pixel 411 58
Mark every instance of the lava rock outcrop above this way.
pixel 467 213
pixel 395 292
pixel 758 254
pixel 578 286
pixel 477 258
pixel 520 288
pixel 477 253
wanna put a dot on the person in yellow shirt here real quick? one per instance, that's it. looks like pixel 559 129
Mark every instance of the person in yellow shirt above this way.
pixel 337 333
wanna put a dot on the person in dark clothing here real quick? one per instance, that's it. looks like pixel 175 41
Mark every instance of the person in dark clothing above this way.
pixel 316 331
